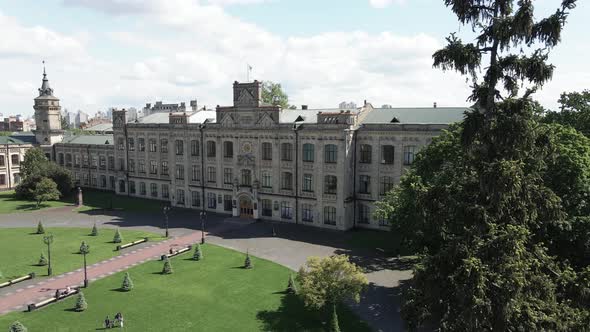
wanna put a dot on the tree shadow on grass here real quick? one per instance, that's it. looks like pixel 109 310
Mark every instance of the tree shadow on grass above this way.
pixel 292 315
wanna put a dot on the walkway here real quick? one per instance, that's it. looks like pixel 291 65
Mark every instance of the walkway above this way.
pixel 290 247
pixel 39 291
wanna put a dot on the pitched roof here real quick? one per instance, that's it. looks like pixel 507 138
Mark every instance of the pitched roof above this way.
pixel 197 117
pixel 419 115
pixel 89 139
pixel 101 127
pixel 11 140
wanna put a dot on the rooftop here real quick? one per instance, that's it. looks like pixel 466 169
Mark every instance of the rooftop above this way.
pixel 418 115
pixel 89 139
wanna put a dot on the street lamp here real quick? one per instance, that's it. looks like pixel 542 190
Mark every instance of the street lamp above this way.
pixel 165 209
pixel 48 240
pixel 84 249
pixel 203 216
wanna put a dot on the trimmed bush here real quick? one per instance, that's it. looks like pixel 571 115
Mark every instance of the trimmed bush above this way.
pixel 42 260
pixel 94 231
pixel 81 304
pixel 291 287
pixel 167 269
pixel 248 262
pixel 198 255
pixel 17 327
pixel 118 238
pixel 40 228
pixel 127 283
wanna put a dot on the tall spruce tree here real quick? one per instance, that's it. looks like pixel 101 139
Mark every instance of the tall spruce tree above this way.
pixel 483 215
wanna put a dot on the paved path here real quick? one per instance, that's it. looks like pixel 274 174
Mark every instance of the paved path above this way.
pixel 290 247
pixel 33 293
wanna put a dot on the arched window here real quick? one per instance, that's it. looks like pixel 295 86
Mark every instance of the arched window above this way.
pixel 308 152
pixel 287 151
pixel 266 151
pixel 211 151
pixel 228 149
pixel 330 153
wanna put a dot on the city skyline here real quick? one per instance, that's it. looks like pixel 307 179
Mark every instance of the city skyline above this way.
pixel 121 54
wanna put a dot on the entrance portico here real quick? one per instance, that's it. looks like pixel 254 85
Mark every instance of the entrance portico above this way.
pixel 246 206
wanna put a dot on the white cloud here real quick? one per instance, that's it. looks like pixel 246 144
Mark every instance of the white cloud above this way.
pixel 385 3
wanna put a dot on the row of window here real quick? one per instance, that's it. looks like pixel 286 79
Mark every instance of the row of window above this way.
pixel 94 180
pixel 387 154
pixel 84 161
pixel 14 160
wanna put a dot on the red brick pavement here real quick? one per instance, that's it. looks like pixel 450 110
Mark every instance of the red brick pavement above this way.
pixel 44 289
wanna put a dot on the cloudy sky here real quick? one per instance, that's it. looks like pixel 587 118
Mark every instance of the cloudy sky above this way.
pixel 122 53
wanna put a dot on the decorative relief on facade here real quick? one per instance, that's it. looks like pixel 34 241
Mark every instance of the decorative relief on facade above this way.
pixel 246 159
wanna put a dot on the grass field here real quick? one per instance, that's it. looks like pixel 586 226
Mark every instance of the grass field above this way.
pixel 214 294
pixel 10 204
pixel 96 200
pixel 21 249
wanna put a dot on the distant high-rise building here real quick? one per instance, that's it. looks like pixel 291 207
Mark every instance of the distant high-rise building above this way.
pixel 81 118
pixel 160 107
pixel 386 106
pixel 345 105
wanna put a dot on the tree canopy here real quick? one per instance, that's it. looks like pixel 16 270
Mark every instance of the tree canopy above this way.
pixel 574 111
pixel 272 93
pixel 45 190
pixel 36 167
pixel 482 203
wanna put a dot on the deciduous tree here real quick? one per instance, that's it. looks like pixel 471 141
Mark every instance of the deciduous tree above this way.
pixel 45 190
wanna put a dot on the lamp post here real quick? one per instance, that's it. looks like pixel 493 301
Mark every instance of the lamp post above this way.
pixel 165 209
pixel 203 216
pixel 84 249
pixel 48 240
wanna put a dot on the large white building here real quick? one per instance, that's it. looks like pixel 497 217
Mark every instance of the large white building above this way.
pixel 320 167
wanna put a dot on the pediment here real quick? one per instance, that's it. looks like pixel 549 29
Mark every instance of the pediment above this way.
pixel 228 121
pixel 266 121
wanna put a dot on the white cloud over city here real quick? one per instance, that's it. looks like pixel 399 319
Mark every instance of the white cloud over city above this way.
pixel 200 50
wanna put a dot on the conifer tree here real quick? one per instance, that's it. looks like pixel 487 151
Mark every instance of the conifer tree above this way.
pixel 40 228
pixel 42 260
pixel 291 287
pixel 81 304
pixel 118 238
pixel 198 255
pixel 127 283
pixel 94 231
pixel 17 327
pixel 248 262
pixel 334 326
pixel 167 269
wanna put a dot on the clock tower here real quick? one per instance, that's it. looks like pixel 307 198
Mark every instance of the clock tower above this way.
pixel 47 115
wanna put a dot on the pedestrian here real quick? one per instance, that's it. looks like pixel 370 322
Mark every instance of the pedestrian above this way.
pixel 57 294
pixel 107 322
pixel 120 319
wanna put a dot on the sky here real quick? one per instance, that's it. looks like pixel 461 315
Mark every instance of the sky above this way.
pixel 126 53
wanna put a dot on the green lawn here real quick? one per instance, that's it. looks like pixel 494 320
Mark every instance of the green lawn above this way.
pixel 21 249
pixel 10 204
pixel 95 200
pixel 214 294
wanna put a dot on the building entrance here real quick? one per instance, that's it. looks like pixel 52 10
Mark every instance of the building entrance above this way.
pixel 246 210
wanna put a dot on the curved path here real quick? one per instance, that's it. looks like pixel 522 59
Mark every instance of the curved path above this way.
pixel 290 246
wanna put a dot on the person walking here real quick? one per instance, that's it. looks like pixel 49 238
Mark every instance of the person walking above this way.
pixel 107 322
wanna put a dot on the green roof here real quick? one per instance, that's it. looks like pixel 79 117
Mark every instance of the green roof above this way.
pixel 89 139
pixel 419 115
pixel 11 140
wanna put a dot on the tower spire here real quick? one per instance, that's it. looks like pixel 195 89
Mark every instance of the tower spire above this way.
pixel 45 89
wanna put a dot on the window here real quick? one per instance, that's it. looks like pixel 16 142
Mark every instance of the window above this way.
pixel 131 184
pixel 154 190
pixel 121 164
pixel 111 163
pixel 266 151
pixel 164 145
pixel 141 166
pixel 112 182
pixel 102 161
pixel 330 184
pixel 227 206
pixel 211 149
pixel 60 159
pixel 2 161
pixel 364 213
pixel 141 144
pixel 195 198
pixel 195 173
pixel 266 205
pixel 246 177
pixel 77 160
pixel 85 160
pixel 179 145
pixel 330 153
pixel 14 159
pixel 366 151
pixel 365 184
pixel 153 167
pixel 194 148
pixel 103 181
pixel 386 185
pixel 131 165
pixel 228 149
pixel 180 172
pixel 180 196
pixel 211 174
pixel 131 144
pixel 152 144
pixel 227 176
pixel 68 160
pixel 164 168
pixel 387 154
pixel 94 162
pixel 383 222
pixel 142 188
pixel 266 180
pixel 286 210
pixel 307 212
pixel 121 143
pixel 409 154
pixel 2 179
pixel 330 215
pixel 211 201
pixel 308 182
pixel 287 181
pixel 287 151
pixel 308 152
pixel 165 192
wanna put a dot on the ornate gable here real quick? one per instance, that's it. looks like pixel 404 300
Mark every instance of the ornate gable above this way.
pixel 228 121
pixel 266 121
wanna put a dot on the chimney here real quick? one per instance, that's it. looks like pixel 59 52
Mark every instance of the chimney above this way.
pixel 365 102
pixel 303 107
pixel 434 105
